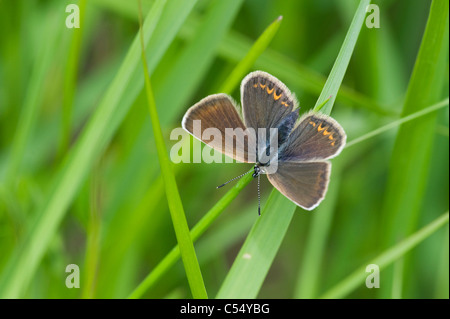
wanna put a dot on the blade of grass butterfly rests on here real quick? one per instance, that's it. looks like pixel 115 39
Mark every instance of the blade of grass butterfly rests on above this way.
pixel 196 232
pixel 97 132
pixel 179 221
pixel 310 272
pixel 251 262
pixel 409 163
pixel 251 265
pixel 337 73
pixel 358 277
pixel 214 212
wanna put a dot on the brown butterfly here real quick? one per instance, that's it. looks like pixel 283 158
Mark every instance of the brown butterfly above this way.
pixel 301 171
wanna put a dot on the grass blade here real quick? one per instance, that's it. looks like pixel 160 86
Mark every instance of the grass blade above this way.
pixel 253 262
pixel 337 73
pixel 173 256
pixel 179 221
pixel 70 82
pixel 357 278
pixel 315 246
pixel 247 62
pixel 398 122
pixel 408 169
pixel 33 99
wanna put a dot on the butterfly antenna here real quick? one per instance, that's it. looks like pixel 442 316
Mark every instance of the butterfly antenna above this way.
pixel 233 179
pixel 259 199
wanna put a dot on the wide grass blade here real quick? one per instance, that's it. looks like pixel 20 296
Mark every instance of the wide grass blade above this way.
pixel 408 171
pixel 315 246
pixel 255 257
pixel 357 278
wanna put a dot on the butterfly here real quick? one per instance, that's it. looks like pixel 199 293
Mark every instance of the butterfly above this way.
pixel 303 148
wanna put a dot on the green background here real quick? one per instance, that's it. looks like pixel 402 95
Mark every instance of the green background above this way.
pixel 80 181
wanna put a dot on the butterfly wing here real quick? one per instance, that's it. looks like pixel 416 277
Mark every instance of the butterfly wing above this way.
pixel 315 138
pixel 216 122
pixel 266 101
pixel 303 183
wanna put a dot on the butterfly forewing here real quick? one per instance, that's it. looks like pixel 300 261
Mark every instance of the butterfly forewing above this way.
pixel 303 183
pixel 265 100
pixel 218 114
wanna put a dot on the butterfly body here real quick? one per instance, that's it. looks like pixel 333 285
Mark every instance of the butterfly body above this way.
pixel 292 152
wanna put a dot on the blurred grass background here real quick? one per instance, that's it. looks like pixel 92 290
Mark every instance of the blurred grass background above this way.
pixel 72 99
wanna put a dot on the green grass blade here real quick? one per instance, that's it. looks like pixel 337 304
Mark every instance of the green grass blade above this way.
pixel 357 278
pixel 253 262
pixel 93 237
pixel 247 62
pixel 442 282
pixel 398 122
pixel 24 262
pixel 70 81
pixel 179 221
pixel 173 256
pixel 33 98
pixel 218 19
pixel 337 73
pixel 408 171
pixel 315 245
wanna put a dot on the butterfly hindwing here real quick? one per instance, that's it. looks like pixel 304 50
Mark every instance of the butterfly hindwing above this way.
pixel 218 113
pixel 303 183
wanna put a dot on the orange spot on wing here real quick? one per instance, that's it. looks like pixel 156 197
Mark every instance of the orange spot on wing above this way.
pixel 276 97
pixel 312 123
pixel 332 144
pixel 262 86
pixel 255 85
pixel 270 91
pixel 320 128
pixel 285 104
pixel 325 133
pixel 331 137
